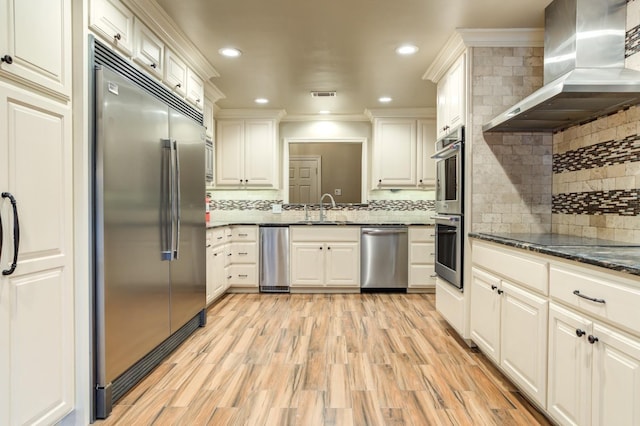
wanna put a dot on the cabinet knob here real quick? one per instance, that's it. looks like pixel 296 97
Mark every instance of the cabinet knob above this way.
pixel 179 85
pixel 8 59
pixel 117 37
pixel 500 291
pixel 379 180
pixel 153 66
pixel 328 248
pixel 592 339
pixel 197 101
pixel 420 180
pixel 493 287
pixel 208 245
pixel 215 254
pixel 229 277
pixel 241 180
pixel 580 333
pixel 320 248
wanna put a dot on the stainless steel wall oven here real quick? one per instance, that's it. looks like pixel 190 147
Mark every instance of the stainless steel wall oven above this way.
pixel 449 220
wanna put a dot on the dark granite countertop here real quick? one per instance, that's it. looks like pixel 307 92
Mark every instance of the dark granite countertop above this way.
pixel 622 257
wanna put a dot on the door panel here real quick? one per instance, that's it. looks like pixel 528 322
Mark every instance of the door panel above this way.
pixel 485 313
pixel 188 271
pixel 304 180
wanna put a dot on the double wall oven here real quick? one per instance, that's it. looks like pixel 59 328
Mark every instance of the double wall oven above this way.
pixel 449 217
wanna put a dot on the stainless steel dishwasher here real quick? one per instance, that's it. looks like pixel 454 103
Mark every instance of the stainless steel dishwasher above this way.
pixel 274 259
pixel 384 258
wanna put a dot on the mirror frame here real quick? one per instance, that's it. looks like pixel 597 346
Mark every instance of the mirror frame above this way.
pixel 364 160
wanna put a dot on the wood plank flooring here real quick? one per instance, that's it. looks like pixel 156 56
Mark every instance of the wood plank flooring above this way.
pixel 357 359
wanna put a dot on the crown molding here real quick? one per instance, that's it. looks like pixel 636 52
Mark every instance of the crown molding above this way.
pixel 154 17
pixel 212 92
pixel 325 117
pixel 276 114
pixel 374 113
pixel 464 38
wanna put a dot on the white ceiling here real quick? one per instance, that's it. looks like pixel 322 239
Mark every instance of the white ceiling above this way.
pixel 291 47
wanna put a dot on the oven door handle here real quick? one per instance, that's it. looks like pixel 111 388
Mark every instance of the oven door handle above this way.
pixel 447 152
pixel 447 218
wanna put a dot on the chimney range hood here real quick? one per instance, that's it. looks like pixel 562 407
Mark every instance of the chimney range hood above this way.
pixel 584 73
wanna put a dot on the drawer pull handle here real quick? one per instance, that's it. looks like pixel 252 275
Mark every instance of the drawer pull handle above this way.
pixel 580 333
pixel 592 339
pixel 593 299
pixel 208 245
pixel 432 254
pixel 242 254
pixel 243 276
pixel 433 276
pixel 243 235
pixel 219 238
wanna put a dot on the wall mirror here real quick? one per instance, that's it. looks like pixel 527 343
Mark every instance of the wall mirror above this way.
pixel 313 167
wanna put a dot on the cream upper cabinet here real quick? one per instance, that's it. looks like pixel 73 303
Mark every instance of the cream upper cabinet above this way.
pixel 394 152
pixel 149 49
pixel 450 98
pixel 175 72
pixel 325 257
pixel 35 47
pixel 195 88
pixel 111 20
pixel 208 121
pixel 37 357
pixel 426 148
pixel 246 153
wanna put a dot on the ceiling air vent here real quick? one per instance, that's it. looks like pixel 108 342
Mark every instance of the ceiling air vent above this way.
pixel 323 93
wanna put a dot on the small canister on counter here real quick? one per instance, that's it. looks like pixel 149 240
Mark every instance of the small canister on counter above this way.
pixel 207 208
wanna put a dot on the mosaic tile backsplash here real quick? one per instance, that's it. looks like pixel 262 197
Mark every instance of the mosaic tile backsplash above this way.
pixel 373 205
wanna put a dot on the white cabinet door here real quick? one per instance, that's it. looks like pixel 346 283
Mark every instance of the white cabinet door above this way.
pixel 175 73
pixel 37 300
pixel 307 264
pixel 342 264
pixel 616 378
pixel 395 148
pixel 207 110
pixel 195 88
pixel 114 22
pixel 441 107
pixel 259 153
pixel 37 44
pixel 149 49
pixel 523 340
pixel 569 370
pixel 485 313
pixel 426 148
pixel 229 153
pixel 450 98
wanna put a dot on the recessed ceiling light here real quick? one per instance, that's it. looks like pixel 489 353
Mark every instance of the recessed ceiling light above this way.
pixel 262 101
pixel 324 111
pixel 406 49
pixel 384 99
pixel 230 52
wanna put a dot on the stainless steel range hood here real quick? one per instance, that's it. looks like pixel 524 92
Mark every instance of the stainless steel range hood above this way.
pixel 584 73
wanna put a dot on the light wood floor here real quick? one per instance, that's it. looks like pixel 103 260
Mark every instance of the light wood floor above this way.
pixel 370 359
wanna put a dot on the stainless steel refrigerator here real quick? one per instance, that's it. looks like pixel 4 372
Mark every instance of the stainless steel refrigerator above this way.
pixel 149 231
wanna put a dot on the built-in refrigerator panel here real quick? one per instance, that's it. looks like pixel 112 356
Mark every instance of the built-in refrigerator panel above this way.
pixel 188 270
pixel 132 292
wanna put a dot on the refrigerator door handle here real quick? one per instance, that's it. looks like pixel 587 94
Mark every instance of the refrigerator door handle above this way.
pixel 166 220
pixel 178 209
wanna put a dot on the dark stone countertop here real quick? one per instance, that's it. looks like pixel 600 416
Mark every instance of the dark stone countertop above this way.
pixel 617 256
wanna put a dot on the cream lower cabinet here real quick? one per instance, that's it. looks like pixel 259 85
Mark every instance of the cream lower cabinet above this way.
pixel 242 258
pixel 216 256
pixel 594 367
pixel 325 257
pixel 37 358
pixel 421 258
pixel 509 325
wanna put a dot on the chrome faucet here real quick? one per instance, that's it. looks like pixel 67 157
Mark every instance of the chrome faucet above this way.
pixel 333 204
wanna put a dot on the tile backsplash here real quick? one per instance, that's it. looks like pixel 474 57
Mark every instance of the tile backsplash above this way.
pixel 373 205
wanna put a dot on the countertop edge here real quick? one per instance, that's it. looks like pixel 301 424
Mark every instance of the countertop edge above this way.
pixel 549 250
pixel 210 225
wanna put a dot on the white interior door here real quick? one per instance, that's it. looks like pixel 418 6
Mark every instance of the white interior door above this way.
pixel 305 177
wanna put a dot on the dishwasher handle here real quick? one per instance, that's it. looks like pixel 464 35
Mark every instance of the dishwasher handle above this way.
pixel 390 231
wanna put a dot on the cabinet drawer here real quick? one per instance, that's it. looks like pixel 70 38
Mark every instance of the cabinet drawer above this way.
pixel 421 234
pixel 621 301
pixel 527 271
pixel 422 276
pixel 216 236
pixel 325 233
pixel 244 252
pixel 243 275
pixel 244 233
pixel 422 253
